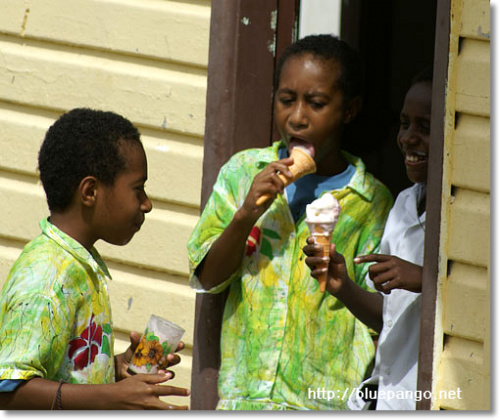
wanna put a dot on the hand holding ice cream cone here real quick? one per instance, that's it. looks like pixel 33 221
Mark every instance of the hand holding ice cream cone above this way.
pixel 303 164
pixel 321 217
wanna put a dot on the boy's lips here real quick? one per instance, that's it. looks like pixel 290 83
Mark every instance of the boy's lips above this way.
pixel 295 141
pixel 415 157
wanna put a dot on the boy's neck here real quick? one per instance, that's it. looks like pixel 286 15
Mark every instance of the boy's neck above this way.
pixel 73 226
pixel 331 164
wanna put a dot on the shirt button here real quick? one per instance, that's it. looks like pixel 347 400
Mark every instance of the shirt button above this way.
pixel 389 323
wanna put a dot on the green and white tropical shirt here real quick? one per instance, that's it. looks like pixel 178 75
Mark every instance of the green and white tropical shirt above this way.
pixel 55 314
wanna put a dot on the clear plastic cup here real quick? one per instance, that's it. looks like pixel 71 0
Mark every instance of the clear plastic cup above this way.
pixel 160 338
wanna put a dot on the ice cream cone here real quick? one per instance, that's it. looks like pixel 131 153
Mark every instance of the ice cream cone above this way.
pixel 322 234
pixel 303 164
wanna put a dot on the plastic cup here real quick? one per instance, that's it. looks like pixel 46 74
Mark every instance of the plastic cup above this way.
pixel 160 338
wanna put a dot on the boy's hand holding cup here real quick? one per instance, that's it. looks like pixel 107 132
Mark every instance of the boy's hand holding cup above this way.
pixel 160 339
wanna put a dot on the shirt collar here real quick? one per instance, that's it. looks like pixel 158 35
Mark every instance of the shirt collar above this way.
pixel 360 182
pixel 92 258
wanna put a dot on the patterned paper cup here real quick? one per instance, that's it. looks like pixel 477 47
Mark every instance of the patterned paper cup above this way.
pixel 160 338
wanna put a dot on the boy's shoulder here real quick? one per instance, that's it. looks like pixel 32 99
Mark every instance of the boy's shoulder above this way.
pixel 41 263
pixel 366 184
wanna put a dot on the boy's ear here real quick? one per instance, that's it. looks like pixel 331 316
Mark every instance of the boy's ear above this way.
pixel 352 109
pixel 88 190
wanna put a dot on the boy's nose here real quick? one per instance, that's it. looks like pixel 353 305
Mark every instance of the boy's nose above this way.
pixel 298 117
pixel 409 137
pixel 146 205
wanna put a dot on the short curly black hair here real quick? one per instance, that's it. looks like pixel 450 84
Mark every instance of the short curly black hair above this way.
pixel 328 47
pixel 82 142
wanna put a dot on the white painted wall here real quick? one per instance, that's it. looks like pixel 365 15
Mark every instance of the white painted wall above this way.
pixel 319 17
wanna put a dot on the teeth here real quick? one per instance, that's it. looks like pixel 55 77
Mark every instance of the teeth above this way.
pixel 415 158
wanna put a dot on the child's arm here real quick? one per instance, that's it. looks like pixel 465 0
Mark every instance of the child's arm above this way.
pixel 390 272
pixel 364 305
pixel 226 254
pixel 137 392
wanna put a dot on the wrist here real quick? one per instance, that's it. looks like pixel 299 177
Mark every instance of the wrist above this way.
pixel 243 219
pixel 343 290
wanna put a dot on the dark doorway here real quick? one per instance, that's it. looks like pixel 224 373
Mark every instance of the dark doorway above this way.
pixel 396 40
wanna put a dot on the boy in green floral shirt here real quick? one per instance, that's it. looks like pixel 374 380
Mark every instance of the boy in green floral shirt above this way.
pixel 284 343
pixel 55 314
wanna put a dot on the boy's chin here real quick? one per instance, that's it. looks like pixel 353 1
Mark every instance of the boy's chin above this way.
pixel 416 178
pixel 119 242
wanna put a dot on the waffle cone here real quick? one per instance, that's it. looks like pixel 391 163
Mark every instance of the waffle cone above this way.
pixel 323 239
pixel 303 164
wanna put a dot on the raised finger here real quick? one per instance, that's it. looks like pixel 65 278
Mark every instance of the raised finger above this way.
pixel 165 390
pixel 360 259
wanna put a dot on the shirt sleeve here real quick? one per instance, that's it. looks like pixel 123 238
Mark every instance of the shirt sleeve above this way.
pixel 9 385
pixel 218 213
pixel 33 338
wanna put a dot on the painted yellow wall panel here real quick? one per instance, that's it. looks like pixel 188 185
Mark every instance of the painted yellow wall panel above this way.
pixel 470 165
pixel 22 135
pixel 473 78
pixel 174 167
pixel 9 251
pixel 157 97
pixel 469 228
pixel 23 206
pixel 170 156
pixel 160 244
pixel 164 30
pixel 460 374
pixel 137 294
pixel 465 300
pixel 475 21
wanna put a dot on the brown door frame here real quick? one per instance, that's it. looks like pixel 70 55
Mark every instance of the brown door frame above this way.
pixel 433 205
pixel 245 38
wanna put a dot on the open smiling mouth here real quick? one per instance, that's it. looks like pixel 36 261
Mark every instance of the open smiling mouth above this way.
pixel 415 158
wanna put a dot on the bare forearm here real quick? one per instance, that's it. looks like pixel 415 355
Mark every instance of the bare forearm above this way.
pixel 226 254
pixel 40 394
pixel 365 306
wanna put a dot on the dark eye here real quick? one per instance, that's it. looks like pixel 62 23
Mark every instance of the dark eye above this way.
pixel 404 123
pixel 317 105
pixel 425 127
pixel 285 100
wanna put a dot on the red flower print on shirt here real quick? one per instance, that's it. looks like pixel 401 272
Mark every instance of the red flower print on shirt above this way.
pixel 84 349
pixel 263 240
pixel 253 240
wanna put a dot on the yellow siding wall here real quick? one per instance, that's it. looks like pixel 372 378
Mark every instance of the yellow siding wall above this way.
pixel 462 357
pixel 144 59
